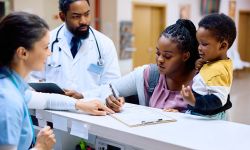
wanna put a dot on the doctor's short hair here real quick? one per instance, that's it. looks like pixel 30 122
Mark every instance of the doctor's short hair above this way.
pixel 64 4
pixel 183 32
pixel 221 26
pixel 19 29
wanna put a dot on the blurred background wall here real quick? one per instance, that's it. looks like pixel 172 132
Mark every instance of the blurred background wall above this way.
pixel 108 14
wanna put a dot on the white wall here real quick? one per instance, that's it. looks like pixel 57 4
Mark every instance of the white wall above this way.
pixel 47 9
pixel 30 6
pixel 109 25
pixel 233 51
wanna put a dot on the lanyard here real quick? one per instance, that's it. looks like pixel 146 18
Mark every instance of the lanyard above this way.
pixel 26 110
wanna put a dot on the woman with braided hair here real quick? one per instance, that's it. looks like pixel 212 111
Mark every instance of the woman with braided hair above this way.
pixel 176 54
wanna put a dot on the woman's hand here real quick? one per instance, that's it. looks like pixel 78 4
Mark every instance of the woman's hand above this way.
pixel 45 139
pixel 93 107
pixel 171 110
pixel 115 104
pixel 74 94
pixel 188 95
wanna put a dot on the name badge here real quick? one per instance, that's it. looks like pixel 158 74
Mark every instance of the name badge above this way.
pixel 95 69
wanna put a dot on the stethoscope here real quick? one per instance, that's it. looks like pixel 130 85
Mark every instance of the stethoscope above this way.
pixel 99 61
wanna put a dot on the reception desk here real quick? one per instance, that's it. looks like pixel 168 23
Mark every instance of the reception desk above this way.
pixel 188 132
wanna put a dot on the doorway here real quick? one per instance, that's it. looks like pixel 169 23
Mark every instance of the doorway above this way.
pixel 148 22
pixel 243 35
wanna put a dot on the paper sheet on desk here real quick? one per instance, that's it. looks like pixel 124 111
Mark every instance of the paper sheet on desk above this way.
pixel 135 115
pixel 79 129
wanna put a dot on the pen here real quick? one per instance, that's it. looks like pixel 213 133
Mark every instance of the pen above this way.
pixel 112 90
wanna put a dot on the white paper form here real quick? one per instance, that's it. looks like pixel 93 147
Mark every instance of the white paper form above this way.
pixel 134 116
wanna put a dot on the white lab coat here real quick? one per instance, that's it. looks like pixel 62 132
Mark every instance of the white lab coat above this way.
pixel 73 73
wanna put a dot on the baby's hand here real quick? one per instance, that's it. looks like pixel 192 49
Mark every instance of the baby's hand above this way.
pixel 199 63
pixel 170 110
pixel 188 95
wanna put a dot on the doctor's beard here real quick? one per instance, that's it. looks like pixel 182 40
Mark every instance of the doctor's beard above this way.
pixel 82 34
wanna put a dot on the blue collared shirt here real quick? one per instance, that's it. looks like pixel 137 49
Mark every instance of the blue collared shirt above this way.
pixel 69 37
pixel 15 125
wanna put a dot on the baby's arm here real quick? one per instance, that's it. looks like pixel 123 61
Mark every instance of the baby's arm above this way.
pixel 201 103
pixel 188 95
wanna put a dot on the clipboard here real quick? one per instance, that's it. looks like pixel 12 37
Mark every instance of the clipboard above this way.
pixel 47 88
pixel 136 115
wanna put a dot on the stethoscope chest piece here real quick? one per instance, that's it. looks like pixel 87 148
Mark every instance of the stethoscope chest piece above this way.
pixel 100 62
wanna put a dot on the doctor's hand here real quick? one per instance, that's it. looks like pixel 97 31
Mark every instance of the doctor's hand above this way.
pixel 45 139
pixel 115 104
pixel 73 93
pixel 94 107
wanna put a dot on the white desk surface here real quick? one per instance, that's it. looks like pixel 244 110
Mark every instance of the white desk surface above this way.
pixel 189 132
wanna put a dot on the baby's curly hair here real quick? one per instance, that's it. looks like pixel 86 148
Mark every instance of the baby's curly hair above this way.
pixel 222 27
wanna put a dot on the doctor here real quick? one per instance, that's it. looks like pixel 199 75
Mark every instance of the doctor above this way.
pixel 82 58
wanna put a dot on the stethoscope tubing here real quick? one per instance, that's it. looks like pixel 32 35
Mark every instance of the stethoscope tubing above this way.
pixel 100 62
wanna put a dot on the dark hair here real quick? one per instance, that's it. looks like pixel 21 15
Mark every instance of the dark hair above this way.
pixel 19 29
pixel 183 32
pixel 64 4
pixel 222 26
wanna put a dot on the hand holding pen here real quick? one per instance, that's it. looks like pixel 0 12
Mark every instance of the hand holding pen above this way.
pixel 113 91
pixel 113 101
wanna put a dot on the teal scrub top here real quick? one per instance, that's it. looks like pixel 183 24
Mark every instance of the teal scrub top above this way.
pixel 15 124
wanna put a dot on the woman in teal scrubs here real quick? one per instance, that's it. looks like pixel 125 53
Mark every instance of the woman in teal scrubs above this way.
pixel 24 40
